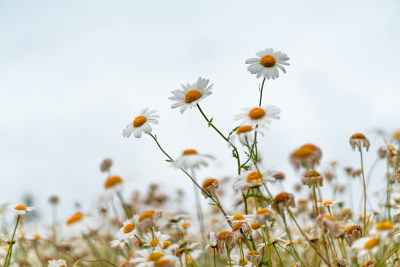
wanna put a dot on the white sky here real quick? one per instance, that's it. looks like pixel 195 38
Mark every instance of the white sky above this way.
pixel 74 73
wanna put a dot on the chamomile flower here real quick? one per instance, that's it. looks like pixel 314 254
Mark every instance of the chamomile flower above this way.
pixel 365 245
pixel 245 135
pixel 79 224
pixel 128 229
pixel 329 203
pixel 191 94
pixel 156 240
pixel 147 258
pixel 267 63
pixel 190 159
pixel 21 209
pixel 57 263
pixel 258 116
pixel 141 123
pixel 251 179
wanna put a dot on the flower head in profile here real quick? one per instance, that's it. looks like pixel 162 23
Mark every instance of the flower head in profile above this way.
pixel 245 134
pixel 359 140
pixel 190 159
pixel 21 209
pixel 191 94
pixel 79 224
pixel 267 62
pixel 251 179
pixel 141 123
pixel 57 263
pixel 258 116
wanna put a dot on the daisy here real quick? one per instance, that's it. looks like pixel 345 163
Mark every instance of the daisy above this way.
pixel 267 63
pixel 250 179
pixel 79 224
pixel 365 245
pixel 128 230
pixel 141 123
pixel 191 94
pixel 113 183
pixel 329 203
pixel 147 258
pixel 190 159
pixel 156 239
pixel 57 263
pixel 258 116
pixel 245 135
pixel 21 209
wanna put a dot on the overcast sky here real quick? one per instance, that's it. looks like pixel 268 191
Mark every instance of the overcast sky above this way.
pixel 74 73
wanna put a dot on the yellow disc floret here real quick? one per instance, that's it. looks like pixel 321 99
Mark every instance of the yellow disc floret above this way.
pixel 243 129
pixel 129 228
pixel 256 113
pixel 75 218
pixel 20 207
pixel 139 121
pixel 268 61
pixel 112 181
pixel 146 215
pixel 192 96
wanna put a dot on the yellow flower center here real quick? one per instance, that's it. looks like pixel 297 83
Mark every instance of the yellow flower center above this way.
pixel 36 237
pixel 163 262
pixel 192 96
pixel 185 224
pixel 268 61
pixel 189 259
pixel 243 129
pixel 391 147
pixel 75 218
pixel 237 226
pixel 167 244
pixel 255 226
pixel 238 217
pixel 146 215
pixel 154 243
pixel 242 262
pixel 129 228
pixel 262 211
pixel 20 207
pixel 358 136
pixel 329 217
pixel 281 197
pixel 368 262
pixel 252 253
pixel 155 256
pixel 112 181
pixel 253 176
pixel 208 182
pixel 224 234
pixel 327 203
pixel 189 152
pixel 373 242
pixel 139 121
pixel 385 225
pixel 311 174
pixel 256 113
pixel 351 228
pixel 63 265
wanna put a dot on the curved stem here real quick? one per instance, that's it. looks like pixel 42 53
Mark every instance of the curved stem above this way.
pixel 365 193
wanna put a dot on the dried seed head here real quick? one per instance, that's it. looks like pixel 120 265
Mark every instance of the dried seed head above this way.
pixel 53 200
pixel 105 165
pixel 359 140
pixel 339 263
pixel 210 185
pixel 328 223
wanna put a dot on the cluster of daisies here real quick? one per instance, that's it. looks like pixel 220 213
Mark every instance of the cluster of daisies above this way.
pixel 252 219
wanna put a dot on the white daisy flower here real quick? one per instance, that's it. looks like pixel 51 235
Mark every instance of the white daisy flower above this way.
pixel 365 245
pixel 251 178
pixel 119 242
pixel 147 258
pixel 141 123
pixel 157 239
pixel 21 209
pixel 190 159
pixel 79 224
pixel 267 63
pixel 258 115
pixel 239 261
pixel 329 203
pixel 245 135
pixel 57 263
pixel 128 229
pixel 191 94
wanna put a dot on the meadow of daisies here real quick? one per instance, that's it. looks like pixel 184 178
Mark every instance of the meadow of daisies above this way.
pixel 248 225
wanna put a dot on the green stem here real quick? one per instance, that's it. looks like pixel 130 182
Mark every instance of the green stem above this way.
pixel 261 92
pixel 9 252
pixel 365 192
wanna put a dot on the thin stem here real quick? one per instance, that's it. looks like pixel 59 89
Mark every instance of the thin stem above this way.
pixel 101 260
pixel 9 253
pixel 365 192
pixel 308 240
pixel 261 92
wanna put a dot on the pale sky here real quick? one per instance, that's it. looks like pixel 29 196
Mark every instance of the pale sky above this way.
pixel 73 74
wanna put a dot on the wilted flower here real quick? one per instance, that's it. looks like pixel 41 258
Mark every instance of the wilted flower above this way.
pixel 352 233
pixel 368 263
pixel 267 63
pixel 191 94
pixel 307 156
pixel 359 140
pixel 284 200
pixel 312 178
pixel 225 238
pixel 149 219
pixel 339 263
pixel 141 123
pixel 210 185
pixel 105 165
pixel 57 263
pixel 251 179
pixel 328 223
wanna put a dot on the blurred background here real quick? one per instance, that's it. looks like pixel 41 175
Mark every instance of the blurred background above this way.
pixel 74 73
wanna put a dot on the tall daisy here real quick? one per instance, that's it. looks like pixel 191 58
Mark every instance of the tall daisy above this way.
pixel 191 94
pixel 141 123
pixel 258 115
pixel 267 63
pixel 190 159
